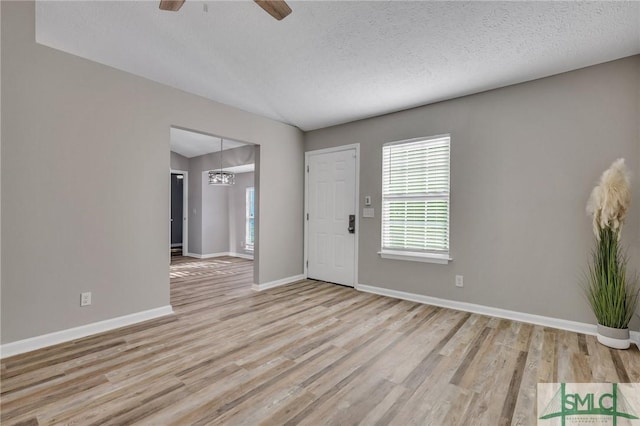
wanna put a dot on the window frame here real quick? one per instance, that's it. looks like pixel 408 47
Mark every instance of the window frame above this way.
pixel 249 245
pixel 428 256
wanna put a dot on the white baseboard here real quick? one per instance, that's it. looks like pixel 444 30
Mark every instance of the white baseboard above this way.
pixel 278 283
pixel 38 342
pixel 209 255
pixel 578 327
pixel 241 255
pixel 221 254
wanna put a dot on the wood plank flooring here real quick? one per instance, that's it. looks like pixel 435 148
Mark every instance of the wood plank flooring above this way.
pixel 307 353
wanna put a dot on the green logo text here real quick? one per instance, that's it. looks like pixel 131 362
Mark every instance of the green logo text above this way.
pixel 610 403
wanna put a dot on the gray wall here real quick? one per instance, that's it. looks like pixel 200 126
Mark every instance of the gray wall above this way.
pixel 523 162
pixel 231 157
pixel 215 216
pixel 179 162
pixel 238 211
pixel 0 177
pixel 204 225
pixel 53 246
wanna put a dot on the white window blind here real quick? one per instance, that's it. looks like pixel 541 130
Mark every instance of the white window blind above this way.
pixel 415 196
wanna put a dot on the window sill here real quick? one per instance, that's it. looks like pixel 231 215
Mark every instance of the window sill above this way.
pixel 415 256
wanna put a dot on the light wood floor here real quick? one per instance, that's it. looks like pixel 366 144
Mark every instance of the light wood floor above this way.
pixel 306 353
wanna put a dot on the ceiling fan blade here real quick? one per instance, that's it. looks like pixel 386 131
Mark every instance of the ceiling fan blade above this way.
pixel 276 8
pixel 171 5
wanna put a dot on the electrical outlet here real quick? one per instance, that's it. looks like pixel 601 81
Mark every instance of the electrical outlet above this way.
pixel 459 281
pixel 85 299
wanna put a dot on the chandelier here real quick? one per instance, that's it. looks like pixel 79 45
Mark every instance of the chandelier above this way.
pixel 220 177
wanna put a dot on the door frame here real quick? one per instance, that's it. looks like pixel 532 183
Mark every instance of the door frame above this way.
pixel 185 209
pixel 307 155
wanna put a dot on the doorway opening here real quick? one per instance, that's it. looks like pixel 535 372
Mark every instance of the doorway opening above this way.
pixel 222 217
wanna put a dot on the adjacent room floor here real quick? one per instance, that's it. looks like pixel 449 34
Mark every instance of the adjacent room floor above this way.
pixel 306 353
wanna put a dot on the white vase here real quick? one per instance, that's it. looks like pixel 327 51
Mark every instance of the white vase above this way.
pixel 617 338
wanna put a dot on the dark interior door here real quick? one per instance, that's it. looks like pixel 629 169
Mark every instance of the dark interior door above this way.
pixel 176 209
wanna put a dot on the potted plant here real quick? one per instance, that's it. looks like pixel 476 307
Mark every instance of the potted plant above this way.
pixel 611 291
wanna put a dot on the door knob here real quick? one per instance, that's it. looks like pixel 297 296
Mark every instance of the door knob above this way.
pixel 352 224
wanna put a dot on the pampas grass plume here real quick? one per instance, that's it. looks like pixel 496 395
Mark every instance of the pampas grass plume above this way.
pixel 610 199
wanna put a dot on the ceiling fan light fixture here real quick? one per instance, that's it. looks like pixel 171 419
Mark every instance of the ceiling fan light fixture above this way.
pixel 276 8
pixel 171 5
pixel 279 9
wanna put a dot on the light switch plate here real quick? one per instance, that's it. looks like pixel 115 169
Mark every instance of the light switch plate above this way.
pixel 367 200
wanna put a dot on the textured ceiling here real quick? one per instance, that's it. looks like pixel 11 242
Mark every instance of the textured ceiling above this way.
pixel 334 62
pixel 191 144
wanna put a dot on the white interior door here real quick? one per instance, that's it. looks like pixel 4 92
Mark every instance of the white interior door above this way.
pixel 331 198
